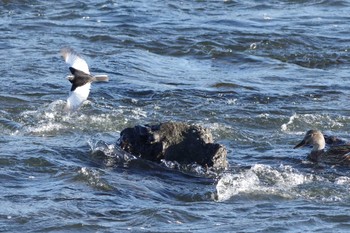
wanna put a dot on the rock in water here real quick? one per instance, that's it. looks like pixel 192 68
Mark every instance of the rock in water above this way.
pixel 174 141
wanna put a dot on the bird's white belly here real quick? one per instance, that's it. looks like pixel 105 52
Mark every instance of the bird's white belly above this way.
pixel 77 97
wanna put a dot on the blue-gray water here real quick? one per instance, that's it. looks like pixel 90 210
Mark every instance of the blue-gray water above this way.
pixel 257 73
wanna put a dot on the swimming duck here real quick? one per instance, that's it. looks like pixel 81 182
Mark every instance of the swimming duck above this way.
pixel 81 79
pixel 338 152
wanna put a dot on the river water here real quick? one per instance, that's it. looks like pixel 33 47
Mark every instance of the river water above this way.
pixel 258 74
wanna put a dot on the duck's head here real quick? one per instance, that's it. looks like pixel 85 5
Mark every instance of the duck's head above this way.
pixel 313 138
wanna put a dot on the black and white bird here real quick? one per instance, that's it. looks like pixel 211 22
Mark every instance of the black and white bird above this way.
pixel 81 79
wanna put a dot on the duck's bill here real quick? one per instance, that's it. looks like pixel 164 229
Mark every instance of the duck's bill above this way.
pixel 301 144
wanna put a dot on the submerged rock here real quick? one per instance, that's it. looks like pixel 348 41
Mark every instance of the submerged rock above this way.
pixel 174 141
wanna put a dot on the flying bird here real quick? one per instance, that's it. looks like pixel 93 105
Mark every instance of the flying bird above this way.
pixel 81 79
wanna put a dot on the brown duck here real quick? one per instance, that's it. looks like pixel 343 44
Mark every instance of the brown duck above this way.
pixel 338 152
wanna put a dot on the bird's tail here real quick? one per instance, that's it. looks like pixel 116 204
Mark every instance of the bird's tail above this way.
pixel 100 78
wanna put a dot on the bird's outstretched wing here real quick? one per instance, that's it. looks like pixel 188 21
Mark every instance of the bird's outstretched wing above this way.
pixel 74 60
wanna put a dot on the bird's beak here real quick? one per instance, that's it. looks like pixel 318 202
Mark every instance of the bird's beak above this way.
pixel 301 144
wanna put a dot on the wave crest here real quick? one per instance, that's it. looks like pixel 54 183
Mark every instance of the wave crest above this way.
pixel 282 182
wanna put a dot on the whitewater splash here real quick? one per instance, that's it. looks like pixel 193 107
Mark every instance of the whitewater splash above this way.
pixel 307 121
pixel 284 182
pixel 108 153
pixel 51 120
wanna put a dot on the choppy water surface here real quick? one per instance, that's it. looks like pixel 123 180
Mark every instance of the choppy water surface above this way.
pixel 257 73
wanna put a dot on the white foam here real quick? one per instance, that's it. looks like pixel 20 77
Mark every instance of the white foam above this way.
pixel 113 154
pixel 84 171
pixel 343 180
pixel 230 185
pixel 284 127
pixel 51 119
pixel 232 101
pixel 310 121
pixel 45 128
pixel 99 145
pixel 262 179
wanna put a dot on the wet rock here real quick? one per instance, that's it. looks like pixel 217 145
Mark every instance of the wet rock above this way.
pixel 174 141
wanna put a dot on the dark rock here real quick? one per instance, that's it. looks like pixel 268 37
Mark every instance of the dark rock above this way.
pixel 173 141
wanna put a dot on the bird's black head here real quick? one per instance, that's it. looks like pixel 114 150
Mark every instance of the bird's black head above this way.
pixel 72 70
